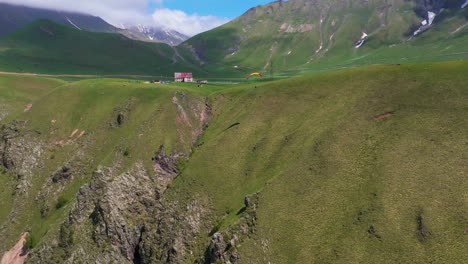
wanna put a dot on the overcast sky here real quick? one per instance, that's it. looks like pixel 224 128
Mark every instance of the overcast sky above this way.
pixel 186 16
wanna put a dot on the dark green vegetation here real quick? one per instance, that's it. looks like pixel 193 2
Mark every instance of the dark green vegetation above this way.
pixel 14 17
pixel 48 47
pixel 281 39
pixel 358 166
pixel 302 36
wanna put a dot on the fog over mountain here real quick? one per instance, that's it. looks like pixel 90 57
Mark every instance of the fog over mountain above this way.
pixel 131 12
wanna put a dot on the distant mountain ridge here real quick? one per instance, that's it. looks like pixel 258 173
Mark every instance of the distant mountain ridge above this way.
pixel 287 38
pixel 154 34
pixel 45 46
pixel 298 35
pixel 14 17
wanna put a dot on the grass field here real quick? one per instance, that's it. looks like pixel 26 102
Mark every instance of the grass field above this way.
pixel 365 165
pixel 25 91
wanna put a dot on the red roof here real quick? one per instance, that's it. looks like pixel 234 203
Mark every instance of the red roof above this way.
pixel 181 75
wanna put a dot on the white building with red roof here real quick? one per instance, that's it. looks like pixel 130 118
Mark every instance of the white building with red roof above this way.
pixel 183 77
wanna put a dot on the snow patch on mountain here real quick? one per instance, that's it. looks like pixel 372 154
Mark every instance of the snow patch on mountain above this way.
pixel 426 23
pixel 465 4
pixel 155 34
pixel 73 24
pixel 319 49
pixel 431 16
pixel 361 41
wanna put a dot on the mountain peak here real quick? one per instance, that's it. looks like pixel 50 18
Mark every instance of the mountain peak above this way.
pixel 14 17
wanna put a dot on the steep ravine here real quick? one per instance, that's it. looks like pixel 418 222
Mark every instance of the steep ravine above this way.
pixel 121 215
pixel 124 216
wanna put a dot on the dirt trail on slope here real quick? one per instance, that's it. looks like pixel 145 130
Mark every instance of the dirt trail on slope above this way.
pixel 383 116
pixel 16 255
pixel 28 107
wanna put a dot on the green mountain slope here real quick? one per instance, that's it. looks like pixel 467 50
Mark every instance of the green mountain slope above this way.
pixel 302 35
pixel 14 17
pixel 284 38
pixel 47 47
pixel 26 90
pixel 358 166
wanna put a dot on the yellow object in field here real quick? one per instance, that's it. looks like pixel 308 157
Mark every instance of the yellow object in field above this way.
pixel 254 74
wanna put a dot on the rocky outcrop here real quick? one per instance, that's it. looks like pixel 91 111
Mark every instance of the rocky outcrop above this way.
pixel 70 169
pixel 122 113
pixel 223 245
pixel 110 213
pixel 165 167
pixel 63 174
pixel 424 6
pixel 196 55
pixel 3 112
pixel 122 218
pixel 193 118
pixel 172 238
pixel 18 253
pixel 20 152
pixel 288 28
pixel 124 215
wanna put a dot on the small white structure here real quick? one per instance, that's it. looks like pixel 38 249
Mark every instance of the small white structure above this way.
pixel 183 77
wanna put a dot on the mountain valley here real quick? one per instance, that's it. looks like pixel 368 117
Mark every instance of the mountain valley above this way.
pixel 347 145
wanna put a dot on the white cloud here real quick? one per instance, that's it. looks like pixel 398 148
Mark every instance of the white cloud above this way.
pixel 118 12
pixel 186 23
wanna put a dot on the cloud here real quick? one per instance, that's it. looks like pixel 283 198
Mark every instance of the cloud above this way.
pixel 118 12
pixel 186 23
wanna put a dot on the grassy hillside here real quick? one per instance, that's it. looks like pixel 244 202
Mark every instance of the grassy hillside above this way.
pixel 345 163
pixel 358 166
pixel 19 92
pixel 300 36
pixel 90 106
pixel 14 17
pixel 47 47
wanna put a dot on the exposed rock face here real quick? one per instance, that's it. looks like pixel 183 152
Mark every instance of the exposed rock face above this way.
pixel 288 28
pixel 217 249
pixel 154 34
pixel 122 113
pixel 125 216
pixel 62 174
pixel 20 152
pixel 17 254
pixel 3 112
pixel 116 207
pixel 165 167
pixel 223 246
pixel 130 220
pixel 119 215
pixel 195 54
pixel 194 117
pixel 172 238
pixel 432 5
